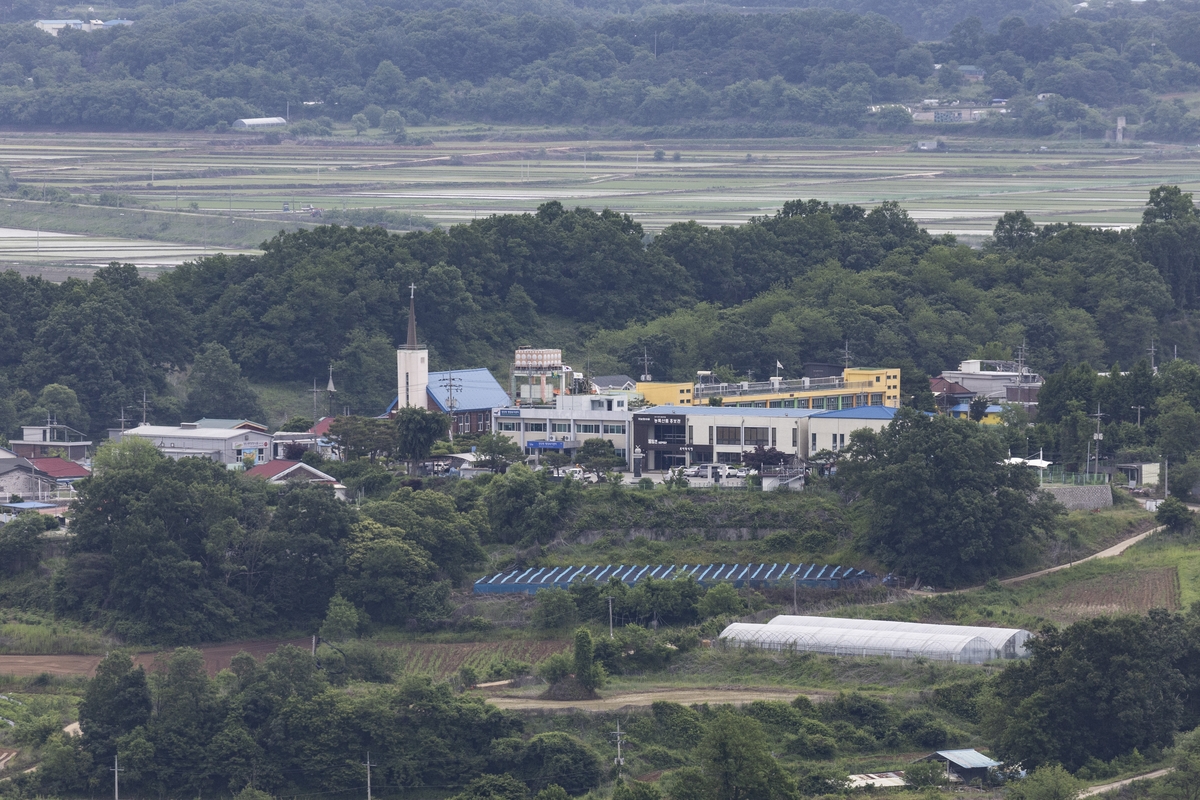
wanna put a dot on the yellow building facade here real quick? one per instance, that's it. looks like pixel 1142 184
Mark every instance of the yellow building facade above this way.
pixel 857 387
pixel 666 394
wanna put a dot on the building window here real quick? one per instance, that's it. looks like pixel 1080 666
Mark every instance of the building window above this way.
pixel 814 444
pixel 620 451
pixel 729 458
pixel 510 426
pixel 834 445
pixel 689 434
pixel 671 434
pixel 560 427
pixel 817 402
pixel 702 457
pixel 481 426
pixel 757 436
pixel 535 427
pixel 795 437
pixel 726 435
pixel 848 401
pixel 774 437
pixel 802 402
pixel 775 404
pixel 614 428
pixel 587 427
pixel 842 436
pixel 877 399
pixel 710 434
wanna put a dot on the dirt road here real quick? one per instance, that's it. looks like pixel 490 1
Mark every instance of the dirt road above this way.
pixel 1115 550
pixel 1108 787
pixel 732 695
pixel 216 658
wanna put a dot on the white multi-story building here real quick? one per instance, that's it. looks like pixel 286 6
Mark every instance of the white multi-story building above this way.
pixel 568 424
pixel 679 436
pixel 224 445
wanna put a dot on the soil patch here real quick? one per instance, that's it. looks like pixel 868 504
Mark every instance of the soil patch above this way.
pixel 614 702
pixel 1125 593
pixel 568 690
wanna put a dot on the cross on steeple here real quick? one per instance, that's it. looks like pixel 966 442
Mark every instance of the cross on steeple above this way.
pixel 411 343
pixel 412 291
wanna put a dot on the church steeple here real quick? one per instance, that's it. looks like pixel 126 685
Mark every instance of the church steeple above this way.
pixel 411 344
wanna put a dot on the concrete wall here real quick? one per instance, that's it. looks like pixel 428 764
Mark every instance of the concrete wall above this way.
pixel 1082 498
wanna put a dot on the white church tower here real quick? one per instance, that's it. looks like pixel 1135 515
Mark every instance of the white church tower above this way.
pixel 412 363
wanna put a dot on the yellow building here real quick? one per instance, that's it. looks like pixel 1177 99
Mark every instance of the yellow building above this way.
pixel 666 394
pixel 857 387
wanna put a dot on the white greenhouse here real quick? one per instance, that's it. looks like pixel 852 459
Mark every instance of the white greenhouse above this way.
pixel 961 648
pixel 1008 642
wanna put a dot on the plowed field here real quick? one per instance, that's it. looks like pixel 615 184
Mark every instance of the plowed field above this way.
pixel 1125 593
pixel 442 660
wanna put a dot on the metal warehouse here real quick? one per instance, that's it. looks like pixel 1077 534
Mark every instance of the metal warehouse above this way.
pixel 1009 642
pixel 949 644
pixel 812 576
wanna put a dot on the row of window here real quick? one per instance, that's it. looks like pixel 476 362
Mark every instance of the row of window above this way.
pixel 834 403
pixel 837 441
pixel 564 427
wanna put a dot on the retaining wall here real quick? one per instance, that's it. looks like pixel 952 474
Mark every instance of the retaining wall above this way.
pixel 1082 498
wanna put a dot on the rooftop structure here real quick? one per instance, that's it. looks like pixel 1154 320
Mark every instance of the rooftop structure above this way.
pixel 856 386
pixel 231 424
pixel 45 440
pixel 530 580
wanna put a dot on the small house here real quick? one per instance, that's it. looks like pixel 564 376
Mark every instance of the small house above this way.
pixel 967 766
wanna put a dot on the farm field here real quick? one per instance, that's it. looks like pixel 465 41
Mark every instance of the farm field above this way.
pixel 1134 591
pixel 233 188
pixel 441 660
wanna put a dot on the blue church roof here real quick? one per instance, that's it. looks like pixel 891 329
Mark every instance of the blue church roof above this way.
pixel 474 390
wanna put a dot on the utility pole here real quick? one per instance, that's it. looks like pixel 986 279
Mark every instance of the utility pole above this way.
pixel 1098 437
pixel 1152 350
pixel 846 358
pixel 619 760
pixel 646 362
pixel 795 604
pixel 452 384
pixel 1139 410
pixel 315 391
pixel 610 624
pixel 369 765
pixel 144 406
pixel 116 771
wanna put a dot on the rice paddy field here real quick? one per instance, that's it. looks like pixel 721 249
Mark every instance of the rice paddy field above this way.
pixel 174 197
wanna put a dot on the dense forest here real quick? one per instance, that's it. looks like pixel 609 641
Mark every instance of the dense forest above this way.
pixel 198 65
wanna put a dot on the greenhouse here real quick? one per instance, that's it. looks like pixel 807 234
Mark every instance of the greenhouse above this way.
pixel 961 648
pixel 1008 642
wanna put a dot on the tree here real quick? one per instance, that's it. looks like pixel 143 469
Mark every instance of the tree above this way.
pixel 21 542
pixel 719 600
pixel 1182 782
pixel 360 123
pixel 926 773
pixel 364 437
pixel 496 451
pixel 978 408
pixel 416 432
pixel 599 456
pixel 1047 783
pixel 116 702
pixel 1168 203
pixel 374 115
pixel 557 758
pixel 392 122
pixel 216 388
pixel 1014 231
pixel 1174 514
pixel 737 762
pixel 636 790
pixel 341 621
pixel 762 456
pixel 944 507
pixel 296 425
pixel 589 674
pixel 494 787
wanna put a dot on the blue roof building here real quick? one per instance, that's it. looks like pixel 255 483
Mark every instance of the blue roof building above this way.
pixel 475 393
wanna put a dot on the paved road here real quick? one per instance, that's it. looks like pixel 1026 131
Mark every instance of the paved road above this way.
pixel 733 696
pixel 1108 787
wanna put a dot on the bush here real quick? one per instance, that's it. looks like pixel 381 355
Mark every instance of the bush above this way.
pixel 554 608
pixel 556 668
pixel 926 773
pixel 719 600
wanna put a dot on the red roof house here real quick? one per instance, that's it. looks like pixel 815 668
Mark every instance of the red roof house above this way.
pixel 281 471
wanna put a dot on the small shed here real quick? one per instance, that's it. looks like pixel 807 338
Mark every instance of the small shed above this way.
pixel 260 122
pixel 966 765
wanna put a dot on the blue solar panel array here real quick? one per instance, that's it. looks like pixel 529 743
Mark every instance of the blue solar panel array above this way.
pixel 815 576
